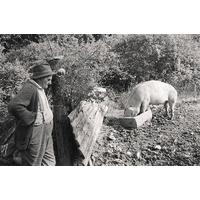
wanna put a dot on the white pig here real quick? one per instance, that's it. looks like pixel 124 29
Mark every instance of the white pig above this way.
pixel 151 92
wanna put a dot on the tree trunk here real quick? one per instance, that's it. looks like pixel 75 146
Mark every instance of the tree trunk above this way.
pixel 60 137
pixel 61 130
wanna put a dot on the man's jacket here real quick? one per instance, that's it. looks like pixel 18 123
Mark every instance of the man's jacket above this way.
pixel 24 107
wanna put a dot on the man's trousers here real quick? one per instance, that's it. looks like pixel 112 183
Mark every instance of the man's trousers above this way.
pixel 40 149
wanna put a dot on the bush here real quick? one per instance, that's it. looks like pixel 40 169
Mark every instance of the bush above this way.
pixel 83 61
pixel 11 79
pixel 113 61
pixel 117 79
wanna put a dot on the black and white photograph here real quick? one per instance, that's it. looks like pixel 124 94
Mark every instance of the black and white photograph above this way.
pixel 99 100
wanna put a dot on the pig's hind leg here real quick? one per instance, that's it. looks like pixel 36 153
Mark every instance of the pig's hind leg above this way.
pixel 166 106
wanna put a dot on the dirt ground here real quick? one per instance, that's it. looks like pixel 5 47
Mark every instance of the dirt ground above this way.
pixel 161 142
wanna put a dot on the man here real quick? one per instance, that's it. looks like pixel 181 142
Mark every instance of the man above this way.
pixel 33 135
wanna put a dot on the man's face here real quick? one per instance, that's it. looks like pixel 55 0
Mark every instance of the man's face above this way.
pixel 45 82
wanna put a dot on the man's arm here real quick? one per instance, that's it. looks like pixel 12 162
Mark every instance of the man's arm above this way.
pixel 19 105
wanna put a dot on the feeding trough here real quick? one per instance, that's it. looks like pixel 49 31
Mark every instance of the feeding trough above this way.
pixel 137 121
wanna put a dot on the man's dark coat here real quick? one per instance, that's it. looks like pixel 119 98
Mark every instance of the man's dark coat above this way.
pixel 24 107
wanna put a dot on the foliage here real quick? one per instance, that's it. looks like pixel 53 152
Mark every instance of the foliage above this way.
pixel 116 79
pixel 11 78
pixel 113 61
pixel 84 64
pixel 16 41
pixel 84 61
pixel 157 56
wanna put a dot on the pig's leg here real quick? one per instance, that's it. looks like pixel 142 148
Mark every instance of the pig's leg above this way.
pixel 144 106
pixel 172 106
pixel 166 104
